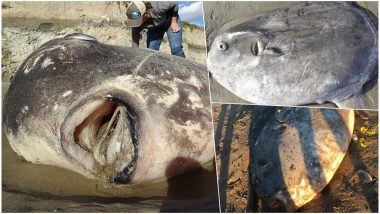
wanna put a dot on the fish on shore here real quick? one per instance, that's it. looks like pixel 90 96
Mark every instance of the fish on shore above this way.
pixel 307 53
pixel 128 115
pixel 295 153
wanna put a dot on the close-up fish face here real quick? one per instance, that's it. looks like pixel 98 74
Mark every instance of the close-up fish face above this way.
pixel 307 53
pixel 245 53
pixel 235 48
pixel 247 49
pixel 128 115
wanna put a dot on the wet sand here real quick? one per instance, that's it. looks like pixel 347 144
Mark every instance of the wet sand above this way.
pixel 38 188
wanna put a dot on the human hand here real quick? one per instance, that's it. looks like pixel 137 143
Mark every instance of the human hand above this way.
pixel 175 27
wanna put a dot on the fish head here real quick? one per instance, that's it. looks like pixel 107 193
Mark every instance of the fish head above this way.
pixel 242 61
pixel 123 114
pixel 236 48
pixel 248 49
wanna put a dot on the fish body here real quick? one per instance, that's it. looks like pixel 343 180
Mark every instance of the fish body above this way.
pixel 296 152
pixel 310 52
pixel 125 114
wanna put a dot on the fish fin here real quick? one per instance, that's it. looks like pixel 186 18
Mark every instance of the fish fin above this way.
pixel 357 101
pixel 279 45
pixel 370 14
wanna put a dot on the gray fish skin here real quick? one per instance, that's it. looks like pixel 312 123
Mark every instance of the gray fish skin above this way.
pixel 310 52
pixel 126 114
pixel 296 152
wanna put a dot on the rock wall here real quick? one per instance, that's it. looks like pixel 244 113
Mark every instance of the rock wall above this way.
pixel 27 25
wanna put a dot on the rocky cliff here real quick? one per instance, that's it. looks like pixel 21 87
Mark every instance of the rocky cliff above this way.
pixel 27 25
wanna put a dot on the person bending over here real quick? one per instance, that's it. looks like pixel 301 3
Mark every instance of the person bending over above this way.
pixel 159 18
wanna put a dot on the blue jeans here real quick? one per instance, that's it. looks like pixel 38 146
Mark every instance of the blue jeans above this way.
pixel 155 36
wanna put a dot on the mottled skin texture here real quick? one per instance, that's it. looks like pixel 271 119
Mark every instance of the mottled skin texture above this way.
pixel 307 53
pixel 296 152
pixel 166 98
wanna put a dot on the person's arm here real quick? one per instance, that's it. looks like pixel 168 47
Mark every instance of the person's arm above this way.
pixel 173 24
pixel 136 36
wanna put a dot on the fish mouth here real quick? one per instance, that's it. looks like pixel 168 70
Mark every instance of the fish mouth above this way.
pixel 102 136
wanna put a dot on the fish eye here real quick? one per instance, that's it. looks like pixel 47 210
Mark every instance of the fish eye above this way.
pixel 222 46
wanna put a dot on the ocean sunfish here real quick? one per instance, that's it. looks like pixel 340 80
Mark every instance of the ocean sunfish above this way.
pixel 128 115
pixel 295 152
pixel 309 52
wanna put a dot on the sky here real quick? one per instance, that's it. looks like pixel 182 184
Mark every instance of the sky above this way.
pixel 191 12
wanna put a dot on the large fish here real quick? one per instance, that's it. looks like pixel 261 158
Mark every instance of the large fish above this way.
pixel 310 52
pixel 295 153
pixel 125 114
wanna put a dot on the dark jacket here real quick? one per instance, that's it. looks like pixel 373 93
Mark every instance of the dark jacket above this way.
pixel 161 13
